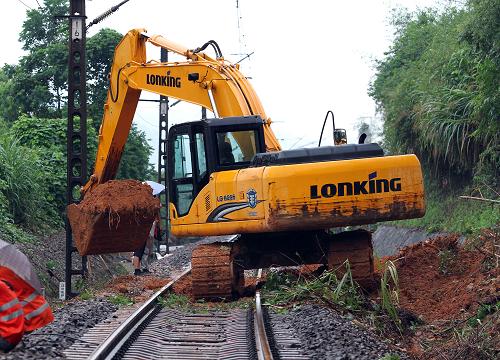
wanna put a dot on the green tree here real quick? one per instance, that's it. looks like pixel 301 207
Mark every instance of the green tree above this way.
pixel 482 30
pixel 100 49
pixel 135 160
pixel 37 85
pixel 9 104
pixel 48 138
pixel 40 79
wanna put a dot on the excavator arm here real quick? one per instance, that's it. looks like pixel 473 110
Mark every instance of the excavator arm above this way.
pixel 212 83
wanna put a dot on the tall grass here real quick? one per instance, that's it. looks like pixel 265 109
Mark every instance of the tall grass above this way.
pixel 389 293
pixel 439 92
pixel 283 290
pixel 340 292
pixel 448 212
pixel 23 184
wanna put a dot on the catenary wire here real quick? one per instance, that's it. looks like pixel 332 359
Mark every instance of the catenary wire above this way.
pixel 29 7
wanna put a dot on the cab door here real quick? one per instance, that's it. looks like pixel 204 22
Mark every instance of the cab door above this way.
pixel 188 171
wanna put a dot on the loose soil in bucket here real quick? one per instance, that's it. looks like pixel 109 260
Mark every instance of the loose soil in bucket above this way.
pixel 114 217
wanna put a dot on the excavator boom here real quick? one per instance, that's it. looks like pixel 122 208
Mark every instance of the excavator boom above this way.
pixel 212 83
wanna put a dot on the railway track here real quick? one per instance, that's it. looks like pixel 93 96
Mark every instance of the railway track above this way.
pixel 155 332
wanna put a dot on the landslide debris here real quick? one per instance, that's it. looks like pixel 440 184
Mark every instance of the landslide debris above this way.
pixel 114 217
pixel 455 290
pixel 439 279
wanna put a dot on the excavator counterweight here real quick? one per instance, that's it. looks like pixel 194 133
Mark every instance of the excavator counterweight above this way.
pixel 228 175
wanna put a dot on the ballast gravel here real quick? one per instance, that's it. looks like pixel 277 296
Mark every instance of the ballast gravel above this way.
pixel 70 323
pixel 181 256
pixel 76 317
pixel 326 334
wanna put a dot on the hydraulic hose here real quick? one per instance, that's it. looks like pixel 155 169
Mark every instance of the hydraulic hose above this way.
pixel 324 123
pixel 218 52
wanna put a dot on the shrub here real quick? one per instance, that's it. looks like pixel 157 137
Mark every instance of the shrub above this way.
pixel 23 185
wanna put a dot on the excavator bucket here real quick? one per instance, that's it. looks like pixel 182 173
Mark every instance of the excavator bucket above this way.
pixel 114 217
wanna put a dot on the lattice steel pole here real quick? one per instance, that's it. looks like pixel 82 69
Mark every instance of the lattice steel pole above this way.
pixel 77 130
pixel 162 158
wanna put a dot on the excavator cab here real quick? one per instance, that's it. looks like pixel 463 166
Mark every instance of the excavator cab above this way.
pixel 200 148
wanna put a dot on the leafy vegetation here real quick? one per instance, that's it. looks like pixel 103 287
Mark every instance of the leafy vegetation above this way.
pixel 37 85
pixel 447 212
pixel 33 105
pixel 23 188
pixel 48 136
pixel 437 89
pixel 173 300
pixel 120 300
pixel 475 337
pixel 86 294
pixel 283 289
pixel 135 159
pixel 390 357
pixel 100 48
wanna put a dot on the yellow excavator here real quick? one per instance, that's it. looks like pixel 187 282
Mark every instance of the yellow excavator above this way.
pixel 228 175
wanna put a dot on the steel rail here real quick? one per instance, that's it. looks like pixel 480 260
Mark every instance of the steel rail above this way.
pixel 261 341
pixel 117 338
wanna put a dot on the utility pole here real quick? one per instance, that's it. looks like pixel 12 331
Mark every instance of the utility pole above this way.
pixel 162 158
pixel 76 132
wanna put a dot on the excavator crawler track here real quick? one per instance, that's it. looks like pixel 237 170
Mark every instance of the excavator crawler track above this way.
pixel 215 274
pixel 356 247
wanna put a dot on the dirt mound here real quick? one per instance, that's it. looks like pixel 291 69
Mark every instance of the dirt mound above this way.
pixel 116 216
pixel 184 287
pixel 440 280
pixel 135 288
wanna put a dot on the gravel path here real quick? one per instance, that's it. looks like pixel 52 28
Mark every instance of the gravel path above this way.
pixel 326 334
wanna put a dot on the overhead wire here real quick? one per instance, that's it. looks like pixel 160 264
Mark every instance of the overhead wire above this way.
pixel 29 7
pixel 146 121
pixel 105 14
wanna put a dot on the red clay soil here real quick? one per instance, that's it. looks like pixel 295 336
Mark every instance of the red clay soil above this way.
pixel 115 216
pixel 184 287
pixel 440 280
pixel 139 288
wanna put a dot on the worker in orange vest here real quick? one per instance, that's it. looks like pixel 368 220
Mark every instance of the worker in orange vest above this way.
pixel 36 310
pixel 11 318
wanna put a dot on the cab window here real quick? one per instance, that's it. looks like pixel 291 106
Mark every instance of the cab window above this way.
pixel 201 156
pixel 182 177
pixel 182 157
pixel 236 147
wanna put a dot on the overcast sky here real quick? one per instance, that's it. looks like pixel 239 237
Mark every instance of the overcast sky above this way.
pixel 309 56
